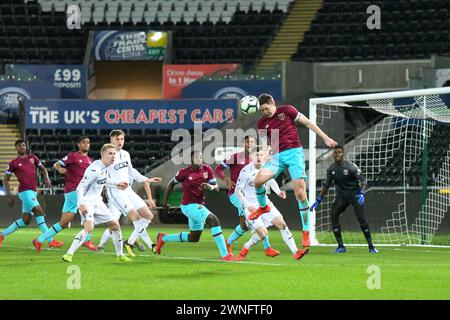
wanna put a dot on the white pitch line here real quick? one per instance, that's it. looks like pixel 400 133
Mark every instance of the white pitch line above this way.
pixel 167 257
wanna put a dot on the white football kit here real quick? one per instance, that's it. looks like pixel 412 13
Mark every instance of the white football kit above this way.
pixel 89 193
pixel 122 201
pixel 246 193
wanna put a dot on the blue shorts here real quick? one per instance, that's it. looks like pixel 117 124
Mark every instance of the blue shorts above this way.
pixel 293 159
pixel 29 201
pixel 197 214
pixel 235 202
pixel 70 202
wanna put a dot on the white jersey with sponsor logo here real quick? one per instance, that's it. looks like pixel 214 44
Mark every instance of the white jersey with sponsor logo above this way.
pixel 95 178
pixel 122 170
pixel 245 186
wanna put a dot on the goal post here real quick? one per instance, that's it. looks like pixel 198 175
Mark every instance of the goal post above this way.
pixel 405 156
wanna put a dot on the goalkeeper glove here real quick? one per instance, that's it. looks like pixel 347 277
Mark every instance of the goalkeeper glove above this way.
pixel 316 204
pixel 360 196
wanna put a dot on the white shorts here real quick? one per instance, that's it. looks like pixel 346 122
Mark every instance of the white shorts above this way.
pixel 114 211
pixel 98 212
pixel 265 220
pixel 124 200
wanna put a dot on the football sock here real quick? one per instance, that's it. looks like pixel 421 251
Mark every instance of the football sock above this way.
pixel 52 231
pixel 261 195
pixel 237 233
pixel 13 227
pixel 219 240
pixel 304 214
pixel 176 237
pixel 88 237
pixel 366 231
pixel 118 242
pixel 105 237
pixel 135 234
pixel 252 241
pixel 288 238
pixel 338 236
pixel 77 242
pixel 40 220
pixel 266 242
pixel 144 234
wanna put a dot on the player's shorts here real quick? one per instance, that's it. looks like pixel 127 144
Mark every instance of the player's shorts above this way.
pixel 29 201
pixel 264 220
pixel 235 202
pixel 293 159
pixel 116 213
pixel 124 200
pixel 70 202
pixel 98 212
pixel 197 214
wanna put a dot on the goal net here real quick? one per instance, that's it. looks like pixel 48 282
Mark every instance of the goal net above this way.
pixel 405 155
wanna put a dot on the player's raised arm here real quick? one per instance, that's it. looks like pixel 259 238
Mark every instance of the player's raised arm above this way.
pixel 302 119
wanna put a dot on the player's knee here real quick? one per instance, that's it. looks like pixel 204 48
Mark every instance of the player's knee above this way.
pixel 26 219
pixel 300 195
pixel 64 224
pixel 114 226
pixel 213 221
pixel 280 224
pixel 194 237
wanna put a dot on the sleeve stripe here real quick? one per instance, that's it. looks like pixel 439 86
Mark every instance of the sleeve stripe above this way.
pixel 175 180
pixel 225 165
pixel 61 163
pixel 8 172
pixel 212 181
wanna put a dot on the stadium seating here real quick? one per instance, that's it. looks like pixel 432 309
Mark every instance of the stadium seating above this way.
pixel 409 29
pixel 391 173
pixel 30 35
pixel 146 146
pixel 205 31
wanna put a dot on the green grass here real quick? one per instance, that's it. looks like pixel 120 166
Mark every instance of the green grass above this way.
pixel 193 271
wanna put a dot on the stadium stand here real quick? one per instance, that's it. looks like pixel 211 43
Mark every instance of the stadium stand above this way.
pixel 28 34
pixel 204 31
pixel 390 174
pixel 147 146
pixel 409 30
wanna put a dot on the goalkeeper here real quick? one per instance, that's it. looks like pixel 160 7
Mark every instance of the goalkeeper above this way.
pixel 350 189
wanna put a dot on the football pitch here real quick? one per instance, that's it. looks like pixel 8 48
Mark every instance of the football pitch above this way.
pixel 190 271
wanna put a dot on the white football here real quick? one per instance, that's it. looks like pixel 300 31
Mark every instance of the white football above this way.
pixel 249 104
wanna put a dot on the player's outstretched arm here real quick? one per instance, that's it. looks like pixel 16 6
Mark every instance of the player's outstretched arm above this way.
pixel 167 193
pixel 6 179
pixel 219 173
pixel 148 191
pixel 312 126
pixel 276 188
pixel 46 176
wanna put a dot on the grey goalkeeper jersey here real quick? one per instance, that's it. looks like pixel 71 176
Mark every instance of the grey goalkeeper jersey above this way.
pixel 347 178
